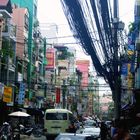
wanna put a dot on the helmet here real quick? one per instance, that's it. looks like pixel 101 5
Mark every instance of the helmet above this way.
pixel 5 123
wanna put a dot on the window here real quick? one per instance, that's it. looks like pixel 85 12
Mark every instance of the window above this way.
pixel 56 116
pixel 26 19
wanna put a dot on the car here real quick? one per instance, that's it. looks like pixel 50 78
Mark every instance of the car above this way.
pixel 90 123
pixel 74 136
pixel 93 131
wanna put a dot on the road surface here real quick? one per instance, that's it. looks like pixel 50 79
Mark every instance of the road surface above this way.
pixel 24 137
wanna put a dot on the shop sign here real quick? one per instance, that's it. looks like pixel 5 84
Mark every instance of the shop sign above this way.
pixel 57 95
pixel 21 95
pixel 1 90
pixel 7 96
pixel 50 56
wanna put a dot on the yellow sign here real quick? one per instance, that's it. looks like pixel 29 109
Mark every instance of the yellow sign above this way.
pixel 7 96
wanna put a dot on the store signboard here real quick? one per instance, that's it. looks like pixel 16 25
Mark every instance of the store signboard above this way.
pixel 7 96
pixel 21 94
pixel 50 56
pixel 57 95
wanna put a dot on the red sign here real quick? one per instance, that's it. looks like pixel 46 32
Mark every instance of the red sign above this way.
pixel 57 95
pixel 50 56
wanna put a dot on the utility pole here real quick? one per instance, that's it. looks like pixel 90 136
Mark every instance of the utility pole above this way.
pixel 64 94
pixel 117 91
pixel 1 27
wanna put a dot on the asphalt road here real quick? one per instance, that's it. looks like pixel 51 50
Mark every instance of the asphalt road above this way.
pixel 24 137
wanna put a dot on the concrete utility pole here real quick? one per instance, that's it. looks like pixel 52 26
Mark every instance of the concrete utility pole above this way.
pixel 117 91
pixel 1 27
pixel 64 94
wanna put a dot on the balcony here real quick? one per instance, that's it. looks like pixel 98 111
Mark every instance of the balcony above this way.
pixel 9 31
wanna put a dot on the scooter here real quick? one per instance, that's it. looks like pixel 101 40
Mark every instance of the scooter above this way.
pixel 25 131
pixel 6 132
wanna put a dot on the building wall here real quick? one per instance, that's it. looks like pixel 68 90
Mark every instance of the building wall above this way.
pixel 83 66
pixel 18 19
pixel 32 8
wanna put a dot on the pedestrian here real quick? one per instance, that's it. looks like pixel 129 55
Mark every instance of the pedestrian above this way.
pixel 71 128
pixel 113 129
pixel 104 131
pixel 122 131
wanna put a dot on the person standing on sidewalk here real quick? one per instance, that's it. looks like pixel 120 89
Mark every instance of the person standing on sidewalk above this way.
pixel 122 131
pixel 104 131
pixel 113 129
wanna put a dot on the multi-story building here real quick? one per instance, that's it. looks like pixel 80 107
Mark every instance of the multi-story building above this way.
pixel 32 9
pixel 20 17
pixel 59 73
pixel 7 64
pixel 93 91
pixel 36 52
pixel 7 58
pixel 83 67
pixel 39 55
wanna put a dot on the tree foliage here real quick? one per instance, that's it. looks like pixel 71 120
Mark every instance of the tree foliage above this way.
pixel 7 49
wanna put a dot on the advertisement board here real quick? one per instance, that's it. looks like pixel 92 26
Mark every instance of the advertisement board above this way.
pixel 50 56
pixel 57 94
pixel 7 96
pixel 21 94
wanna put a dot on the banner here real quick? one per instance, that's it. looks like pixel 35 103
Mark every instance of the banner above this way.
pixel 50 56
pixel 21 94
pixel 7 96
pixel 57 95
pixel 124 69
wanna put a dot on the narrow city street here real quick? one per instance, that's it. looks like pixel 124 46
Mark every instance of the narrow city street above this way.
pixel 69 67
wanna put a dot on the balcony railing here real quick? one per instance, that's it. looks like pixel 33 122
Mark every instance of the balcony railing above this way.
pixel 9 30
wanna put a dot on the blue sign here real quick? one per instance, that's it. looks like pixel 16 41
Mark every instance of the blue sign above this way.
pixel 131 47
pixel 21 95
pixel 124 69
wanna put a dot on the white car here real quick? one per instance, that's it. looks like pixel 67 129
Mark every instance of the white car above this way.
pixel 94 131
pixel 90 123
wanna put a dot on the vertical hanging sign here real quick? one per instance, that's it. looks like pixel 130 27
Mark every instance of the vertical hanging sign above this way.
pixel 21 95
pixel 7 96
pixel 57 95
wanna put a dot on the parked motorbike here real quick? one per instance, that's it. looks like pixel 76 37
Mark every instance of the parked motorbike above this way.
pixel 6 132
pixel 25 131
pixel 16 134
pixel 37 131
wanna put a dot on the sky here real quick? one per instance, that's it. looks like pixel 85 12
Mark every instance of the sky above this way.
pixel 50 11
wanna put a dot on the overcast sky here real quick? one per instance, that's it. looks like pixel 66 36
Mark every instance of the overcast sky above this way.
pixel 51 11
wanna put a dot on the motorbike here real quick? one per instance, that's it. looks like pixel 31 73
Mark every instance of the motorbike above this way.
pixel 37 131
pixel 6 132
pixel 25 131
pixel 16 134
